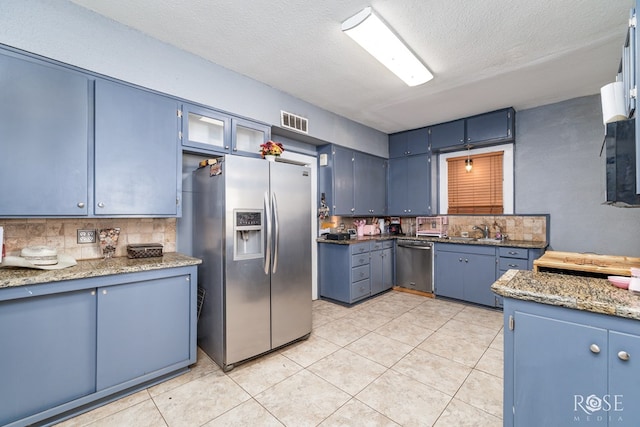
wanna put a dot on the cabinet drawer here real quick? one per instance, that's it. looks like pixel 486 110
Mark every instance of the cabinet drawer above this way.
pixel 386 244
pixel 358 260
pixel 359 273
pixel 377 245
pixel 513 263
pixel 359 248
pixel 513 253
pixel 466 249
pixel 360 289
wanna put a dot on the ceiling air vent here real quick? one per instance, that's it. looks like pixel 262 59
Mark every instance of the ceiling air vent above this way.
pixel 293 122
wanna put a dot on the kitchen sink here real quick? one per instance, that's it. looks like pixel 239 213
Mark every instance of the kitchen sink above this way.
pixel 488 240
pixel 461 239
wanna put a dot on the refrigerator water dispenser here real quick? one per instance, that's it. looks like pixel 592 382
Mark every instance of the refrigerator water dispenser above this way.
pixel 248 233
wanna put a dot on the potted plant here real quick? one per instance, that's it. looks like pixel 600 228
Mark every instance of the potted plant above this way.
pixel 270 150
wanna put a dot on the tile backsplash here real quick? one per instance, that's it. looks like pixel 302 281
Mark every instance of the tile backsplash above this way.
pixel 526 228
pixel 532 228
pixel 62 234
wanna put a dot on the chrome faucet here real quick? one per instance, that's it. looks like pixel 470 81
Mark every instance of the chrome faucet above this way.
pixel 484 228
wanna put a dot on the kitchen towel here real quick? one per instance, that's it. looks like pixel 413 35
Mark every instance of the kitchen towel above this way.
pixel 64 261
pixel 612 97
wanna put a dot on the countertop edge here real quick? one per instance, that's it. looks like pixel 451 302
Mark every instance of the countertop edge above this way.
pixel 85 269
pixel 588 294
pixel 506 243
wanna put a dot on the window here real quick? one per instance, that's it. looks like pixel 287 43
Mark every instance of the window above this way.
pixel 445 160
pixel 478 191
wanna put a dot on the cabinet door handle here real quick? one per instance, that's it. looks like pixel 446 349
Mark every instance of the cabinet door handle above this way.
pixel 104 292
pixel 466 260
pixel 594 348
pixel 513 265
pixel 81 204
pixel 101 205
pixel 623 355
pixel 459 259
pixel 513 253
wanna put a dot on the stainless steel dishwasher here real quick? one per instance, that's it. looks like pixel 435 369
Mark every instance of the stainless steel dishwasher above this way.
pixel 414 265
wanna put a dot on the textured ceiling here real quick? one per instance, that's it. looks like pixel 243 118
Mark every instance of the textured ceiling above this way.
pixel 484 54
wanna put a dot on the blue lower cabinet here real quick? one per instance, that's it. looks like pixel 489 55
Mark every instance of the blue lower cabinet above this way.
pixel 47 352
pixel 141 329
pixel 624 376
pixel 68 346
pixel 465 272
pixel 567 367
pixel 553 355
pixel 351 272
pixel 381 267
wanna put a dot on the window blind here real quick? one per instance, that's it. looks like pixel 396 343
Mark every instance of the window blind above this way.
pixel 480 190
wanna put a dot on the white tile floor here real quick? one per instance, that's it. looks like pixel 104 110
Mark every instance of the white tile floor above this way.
pixel 397 359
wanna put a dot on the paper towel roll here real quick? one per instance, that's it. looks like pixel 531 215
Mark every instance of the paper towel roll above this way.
pixel 612 97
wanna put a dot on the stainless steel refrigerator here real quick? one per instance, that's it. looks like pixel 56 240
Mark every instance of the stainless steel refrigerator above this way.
pixel 252 230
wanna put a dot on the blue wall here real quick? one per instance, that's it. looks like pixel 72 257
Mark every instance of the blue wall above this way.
pixel 559 171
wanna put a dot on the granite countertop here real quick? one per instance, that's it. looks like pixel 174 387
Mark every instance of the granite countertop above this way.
pixel 577 292
pixel 506 243
pixel 15 276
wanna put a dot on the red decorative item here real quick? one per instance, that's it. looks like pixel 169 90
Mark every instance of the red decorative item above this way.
pixel 271 148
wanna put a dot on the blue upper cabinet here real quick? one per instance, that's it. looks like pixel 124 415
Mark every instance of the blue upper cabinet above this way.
pixel 205 129
pixel 45 126
pixel 370 187
pixel 409 143
pixel 447 135
pixel 409 186
pixel 398 145
pixel 353 183
pixel 137 160
pixel 247 135
pixel 497 126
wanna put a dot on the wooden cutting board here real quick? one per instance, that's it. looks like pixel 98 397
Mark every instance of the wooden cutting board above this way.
pixel 592 263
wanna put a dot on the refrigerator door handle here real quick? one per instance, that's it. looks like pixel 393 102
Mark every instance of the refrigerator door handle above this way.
pixel 267 241
pixel 276 228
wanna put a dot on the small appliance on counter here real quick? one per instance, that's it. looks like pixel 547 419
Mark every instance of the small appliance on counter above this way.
pixel 338 236
pixel 435 226
pixel 394 226
pixel 370 230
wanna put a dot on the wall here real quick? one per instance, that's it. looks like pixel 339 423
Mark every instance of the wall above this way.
pixel 559 171
pixel 68 33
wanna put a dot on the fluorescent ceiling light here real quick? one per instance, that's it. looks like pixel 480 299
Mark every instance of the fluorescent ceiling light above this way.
pixel 376 38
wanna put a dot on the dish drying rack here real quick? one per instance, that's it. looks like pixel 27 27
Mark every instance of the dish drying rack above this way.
pixel 434 226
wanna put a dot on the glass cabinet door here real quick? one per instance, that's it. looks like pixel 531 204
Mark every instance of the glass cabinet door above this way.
pixel 247 136
pixel 205 129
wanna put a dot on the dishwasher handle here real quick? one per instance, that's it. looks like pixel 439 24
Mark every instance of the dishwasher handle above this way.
pixel 422 248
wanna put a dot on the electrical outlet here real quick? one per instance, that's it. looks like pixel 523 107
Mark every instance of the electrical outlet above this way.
pixel 86 236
